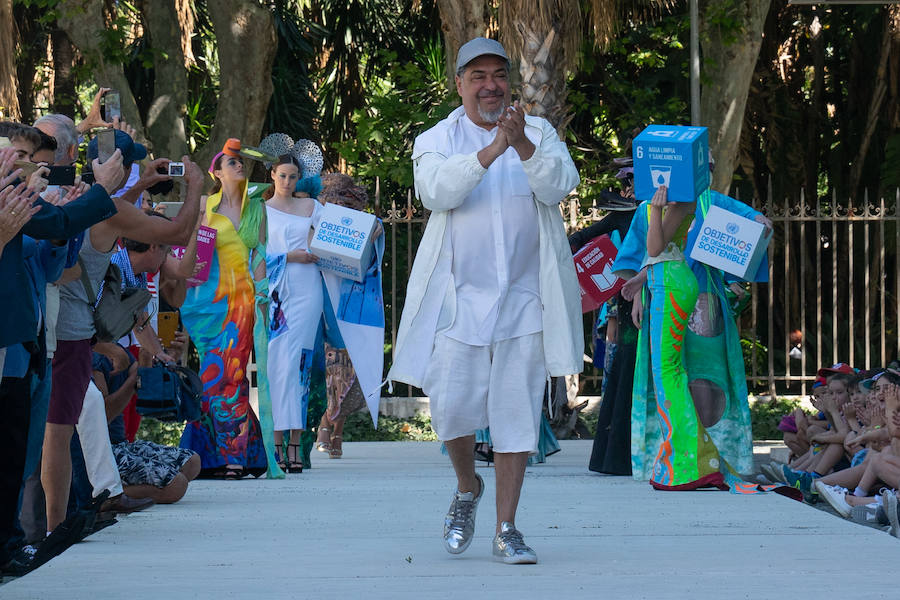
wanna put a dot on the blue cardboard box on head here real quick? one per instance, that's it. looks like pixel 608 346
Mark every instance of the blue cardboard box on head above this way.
pixel 674 156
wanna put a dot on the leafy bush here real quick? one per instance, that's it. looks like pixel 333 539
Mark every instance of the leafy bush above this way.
pixel 765 416
pixel 762 355
pixel 358 428
pixel 167 434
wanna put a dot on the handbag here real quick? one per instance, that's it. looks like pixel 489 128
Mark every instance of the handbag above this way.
pixel 117 311
pixel 169 392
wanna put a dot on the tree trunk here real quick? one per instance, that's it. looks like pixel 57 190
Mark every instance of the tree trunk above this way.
pixel 245 33
pixel 892 21
pixel 64 94
pixel 82 20
pixel 543 88
pixel 730 59
pixel 16 56
pixel 544 37
pixel 9 101
pixel 167 22
pixel 461 20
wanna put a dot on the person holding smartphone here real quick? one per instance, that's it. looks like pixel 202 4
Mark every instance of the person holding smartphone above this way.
pixel 75 327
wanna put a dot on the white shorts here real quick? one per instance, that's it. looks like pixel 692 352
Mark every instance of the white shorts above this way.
pixel 499 386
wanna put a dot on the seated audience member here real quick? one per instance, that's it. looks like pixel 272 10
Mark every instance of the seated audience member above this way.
pixel 148 470
pixel 826 444
pixel 878 470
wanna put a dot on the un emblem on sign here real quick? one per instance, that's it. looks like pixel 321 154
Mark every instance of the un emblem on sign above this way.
pixel 346 221
pixel 732 228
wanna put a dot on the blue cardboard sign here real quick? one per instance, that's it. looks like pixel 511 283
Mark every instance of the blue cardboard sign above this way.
pixel 674 156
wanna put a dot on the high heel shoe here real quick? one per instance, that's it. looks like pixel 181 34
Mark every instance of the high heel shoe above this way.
pixel 323 439
pixel 336 451
pixel 294 464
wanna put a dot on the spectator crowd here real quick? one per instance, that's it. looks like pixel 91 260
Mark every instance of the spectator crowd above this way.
pixel 848 453
pixel 70 393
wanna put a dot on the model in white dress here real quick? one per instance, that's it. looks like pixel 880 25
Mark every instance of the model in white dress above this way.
pixel 295 308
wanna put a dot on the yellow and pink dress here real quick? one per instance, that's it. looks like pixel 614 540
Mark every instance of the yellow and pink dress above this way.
pixel 221 315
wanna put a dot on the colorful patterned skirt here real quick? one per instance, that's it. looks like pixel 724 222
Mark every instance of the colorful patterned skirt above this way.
pixel 686 458
pixel 219 316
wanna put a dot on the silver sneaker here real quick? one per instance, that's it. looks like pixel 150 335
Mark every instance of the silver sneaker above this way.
pixel 510 548
pixel 459 524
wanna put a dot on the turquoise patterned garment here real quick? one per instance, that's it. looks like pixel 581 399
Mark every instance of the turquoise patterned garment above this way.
pixel 732 434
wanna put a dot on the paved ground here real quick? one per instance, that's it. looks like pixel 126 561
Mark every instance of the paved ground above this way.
pixel 368 526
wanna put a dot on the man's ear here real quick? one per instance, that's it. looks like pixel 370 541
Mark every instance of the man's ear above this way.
pixel 459 82
pixel 73 152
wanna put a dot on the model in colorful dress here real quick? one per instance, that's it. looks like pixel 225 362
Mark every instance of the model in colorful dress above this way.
pixel 225 318
pixel 717 388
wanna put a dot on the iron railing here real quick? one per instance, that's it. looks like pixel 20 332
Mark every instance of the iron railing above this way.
pixel 833 275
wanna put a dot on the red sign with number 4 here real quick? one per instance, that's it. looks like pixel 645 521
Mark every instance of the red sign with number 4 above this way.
pixel 593 264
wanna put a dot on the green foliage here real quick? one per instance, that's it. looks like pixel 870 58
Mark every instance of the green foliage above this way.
pixel 355 31
pixel 292 109
pixel 765 416
pixel 640 79
pixel 358 428
pixel 165 433
pixel 762 355
pixel 410 100
pixel 203 81
pixel 589 421
pixel 726 17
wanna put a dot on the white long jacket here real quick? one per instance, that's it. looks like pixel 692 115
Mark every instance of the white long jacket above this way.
pixel 443 181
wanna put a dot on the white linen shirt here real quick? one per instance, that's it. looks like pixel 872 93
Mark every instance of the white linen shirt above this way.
pixel 443 181
pixel 495 226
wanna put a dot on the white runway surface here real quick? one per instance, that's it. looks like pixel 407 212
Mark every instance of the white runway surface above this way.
pixel 368 526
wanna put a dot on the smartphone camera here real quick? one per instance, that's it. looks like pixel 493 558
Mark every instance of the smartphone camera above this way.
pixel 176 169
pixel 61 175
pixel 112 105
pixel 106 144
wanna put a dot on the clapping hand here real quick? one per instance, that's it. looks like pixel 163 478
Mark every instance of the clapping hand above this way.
pixel 7 163
pixel 71 192
pixel 512 124
pixel 16 209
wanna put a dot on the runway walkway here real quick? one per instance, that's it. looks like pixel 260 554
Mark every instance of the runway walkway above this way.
pixel 368 526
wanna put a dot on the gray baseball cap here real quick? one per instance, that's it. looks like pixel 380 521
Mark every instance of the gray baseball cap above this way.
pixel 478 47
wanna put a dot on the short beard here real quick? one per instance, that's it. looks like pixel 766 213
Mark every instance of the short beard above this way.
pixel 491 117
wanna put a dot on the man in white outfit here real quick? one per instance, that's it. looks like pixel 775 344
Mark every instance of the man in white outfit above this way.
pixel 493 305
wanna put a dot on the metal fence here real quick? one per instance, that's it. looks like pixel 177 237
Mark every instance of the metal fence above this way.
pixel 833 275
pixel 834 287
